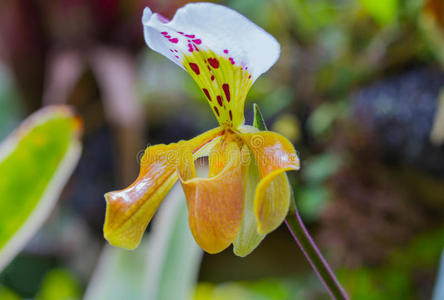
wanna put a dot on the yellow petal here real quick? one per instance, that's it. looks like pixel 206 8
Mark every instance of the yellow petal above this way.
pixel 274 155
pixel 272 201
pixel 215 204
pixel 130 210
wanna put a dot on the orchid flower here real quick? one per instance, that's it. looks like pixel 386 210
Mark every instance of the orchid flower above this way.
pixel 246 194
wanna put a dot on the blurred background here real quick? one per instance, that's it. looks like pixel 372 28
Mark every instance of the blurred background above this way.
pixel 358 89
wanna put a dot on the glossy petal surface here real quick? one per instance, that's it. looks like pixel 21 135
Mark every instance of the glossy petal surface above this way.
pixel 130 210
pixel 215 204
pixel 274 155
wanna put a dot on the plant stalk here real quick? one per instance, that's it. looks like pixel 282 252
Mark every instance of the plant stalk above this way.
pixel 303 238
pixel 313 255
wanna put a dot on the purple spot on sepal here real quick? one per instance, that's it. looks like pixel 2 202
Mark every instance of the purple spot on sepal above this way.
pixel 195 68
pixel 226 89
pixel 213 62
pixel 219 100
pixel 207 94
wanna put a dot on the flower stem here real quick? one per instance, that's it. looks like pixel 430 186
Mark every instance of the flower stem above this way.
pixel 303 238
pixel 312 253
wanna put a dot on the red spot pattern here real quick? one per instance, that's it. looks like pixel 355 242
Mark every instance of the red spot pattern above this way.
pixel 226 89
pixel 195 68
pixel 226 51
pixel 174 40
pixel 231 60
pixel 216 110
pixel 213 62
pixel 197 41
pixel 212 77
pixel 231 115
pixel 207 93
pixel 219 100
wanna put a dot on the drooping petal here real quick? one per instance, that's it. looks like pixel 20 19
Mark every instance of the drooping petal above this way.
pixel 248 238
pixel 272 201
pixel 215 204
pixel 274 155
pixel 221 49
pixel 130 210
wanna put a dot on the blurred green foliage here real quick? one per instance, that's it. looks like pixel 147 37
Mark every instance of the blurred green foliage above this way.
pixel 59 284
pixel 383 11
pixel 396 280
pixel 7 294
pixel 271 289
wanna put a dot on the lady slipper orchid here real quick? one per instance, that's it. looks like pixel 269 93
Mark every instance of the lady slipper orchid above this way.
pixel 246 194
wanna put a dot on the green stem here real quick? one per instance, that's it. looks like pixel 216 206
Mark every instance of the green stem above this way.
pixel 303 238
pixel 312 253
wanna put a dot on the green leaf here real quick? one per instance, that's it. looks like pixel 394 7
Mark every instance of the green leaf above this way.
pixel 165 266
pixel 258 121
pixel 173 255
pixel 120 274
pixel 35 163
